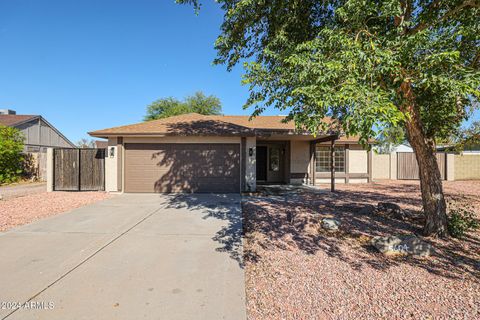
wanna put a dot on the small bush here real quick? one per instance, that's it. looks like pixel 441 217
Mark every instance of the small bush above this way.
pixel 461 220
pixel 11 159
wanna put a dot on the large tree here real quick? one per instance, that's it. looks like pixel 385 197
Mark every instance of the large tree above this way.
pixel 366 63
pixel 197 103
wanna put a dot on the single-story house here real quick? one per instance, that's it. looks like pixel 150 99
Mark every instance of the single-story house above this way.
pixel 216 153
pixel 39 133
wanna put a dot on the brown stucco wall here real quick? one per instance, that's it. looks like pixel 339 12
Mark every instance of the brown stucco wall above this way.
pixel 300 156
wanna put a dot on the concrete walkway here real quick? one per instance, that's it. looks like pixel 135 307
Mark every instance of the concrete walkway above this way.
pixel 129 257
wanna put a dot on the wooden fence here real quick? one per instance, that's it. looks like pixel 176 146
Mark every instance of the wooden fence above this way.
pixel 34 166
pixel 407 166
pixel 79 169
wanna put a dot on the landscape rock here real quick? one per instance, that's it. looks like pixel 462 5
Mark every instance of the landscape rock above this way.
pixel 414 216
pixel 392 210
pixel 403 245
pixel 368 209
pixel 330 224
pixel 388 206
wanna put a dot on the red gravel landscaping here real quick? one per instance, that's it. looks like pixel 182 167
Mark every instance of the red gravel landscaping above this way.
pixel 23 210
pixel 294 270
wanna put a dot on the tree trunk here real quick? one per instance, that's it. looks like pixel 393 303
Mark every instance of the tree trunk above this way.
pixel 434 205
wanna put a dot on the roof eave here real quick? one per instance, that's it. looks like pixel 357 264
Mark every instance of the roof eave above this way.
pixel 166 134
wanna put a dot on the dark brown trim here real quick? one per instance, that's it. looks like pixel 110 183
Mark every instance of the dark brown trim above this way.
pixel 288 157
pixel 166 134
pixel 332 166
pixel 243 164
pixel 119 163
pixel 323 175
pixel 312 163
pixel 369 166
pixel 347 163
pixel 332 137
pixel 298 175
pixel 79 164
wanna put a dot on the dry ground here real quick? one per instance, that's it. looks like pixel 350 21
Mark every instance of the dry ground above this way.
pixel 21 189
pixel 294 270
pixel 25 209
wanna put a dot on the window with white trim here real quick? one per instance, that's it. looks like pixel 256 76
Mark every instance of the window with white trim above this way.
pixel 323 159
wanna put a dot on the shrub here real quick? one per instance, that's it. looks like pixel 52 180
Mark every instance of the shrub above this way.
pixel 461 220
pixel 11 159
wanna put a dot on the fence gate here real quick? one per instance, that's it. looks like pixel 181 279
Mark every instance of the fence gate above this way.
pixel 79 169
pixel 407 166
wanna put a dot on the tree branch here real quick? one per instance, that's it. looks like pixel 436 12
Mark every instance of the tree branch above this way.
pixel 360 32
pixel 422 25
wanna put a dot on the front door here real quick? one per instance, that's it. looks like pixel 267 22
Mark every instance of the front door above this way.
pixel 261 163
pixel 276 154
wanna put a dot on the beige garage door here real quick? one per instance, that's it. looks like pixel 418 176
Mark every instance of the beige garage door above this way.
pixel 177 167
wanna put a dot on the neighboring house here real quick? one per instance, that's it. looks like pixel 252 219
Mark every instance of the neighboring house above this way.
pixel 402 148
pixel 101 144
pixel 474 149
pixel 469 149
pixel 196 153
pixel 39 133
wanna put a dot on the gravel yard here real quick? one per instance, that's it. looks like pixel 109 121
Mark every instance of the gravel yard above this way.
pixel 22 210
pixel 22 189
pixel 294 270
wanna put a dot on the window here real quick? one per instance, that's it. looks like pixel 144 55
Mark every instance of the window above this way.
pixel 323 159
pixel 274 159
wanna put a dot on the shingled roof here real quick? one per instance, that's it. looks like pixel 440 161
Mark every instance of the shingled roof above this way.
pixel 194 124
pixel 14 119
pixel 197 124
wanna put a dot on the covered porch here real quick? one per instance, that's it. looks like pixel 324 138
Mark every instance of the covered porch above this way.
pixel 310 161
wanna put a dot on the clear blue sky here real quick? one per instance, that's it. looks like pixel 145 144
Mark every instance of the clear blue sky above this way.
pixel 91 64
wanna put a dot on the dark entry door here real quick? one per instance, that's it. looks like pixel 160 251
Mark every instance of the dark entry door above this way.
pixel 276 154
pixel 261 163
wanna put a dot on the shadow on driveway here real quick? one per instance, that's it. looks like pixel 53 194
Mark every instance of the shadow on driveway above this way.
pixel 224 207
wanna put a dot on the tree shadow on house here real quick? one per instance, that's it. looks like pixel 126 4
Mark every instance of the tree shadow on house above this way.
pixel 291 221
pixel 205 179
pixel 213 128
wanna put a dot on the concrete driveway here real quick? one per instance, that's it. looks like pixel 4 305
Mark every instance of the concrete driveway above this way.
pixel 134 256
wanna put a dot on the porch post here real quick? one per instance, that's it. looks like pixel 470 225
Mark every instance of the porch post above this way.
pixel 332 166
pixel 312 163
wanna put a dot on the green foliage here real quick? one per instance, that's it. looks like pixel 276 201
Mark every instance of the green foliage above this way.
pixel 350 59
pixel 366 64
pixel 197 103
pixel 11 147
pixel 389 138
pixel 461 220
pixel 469 138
